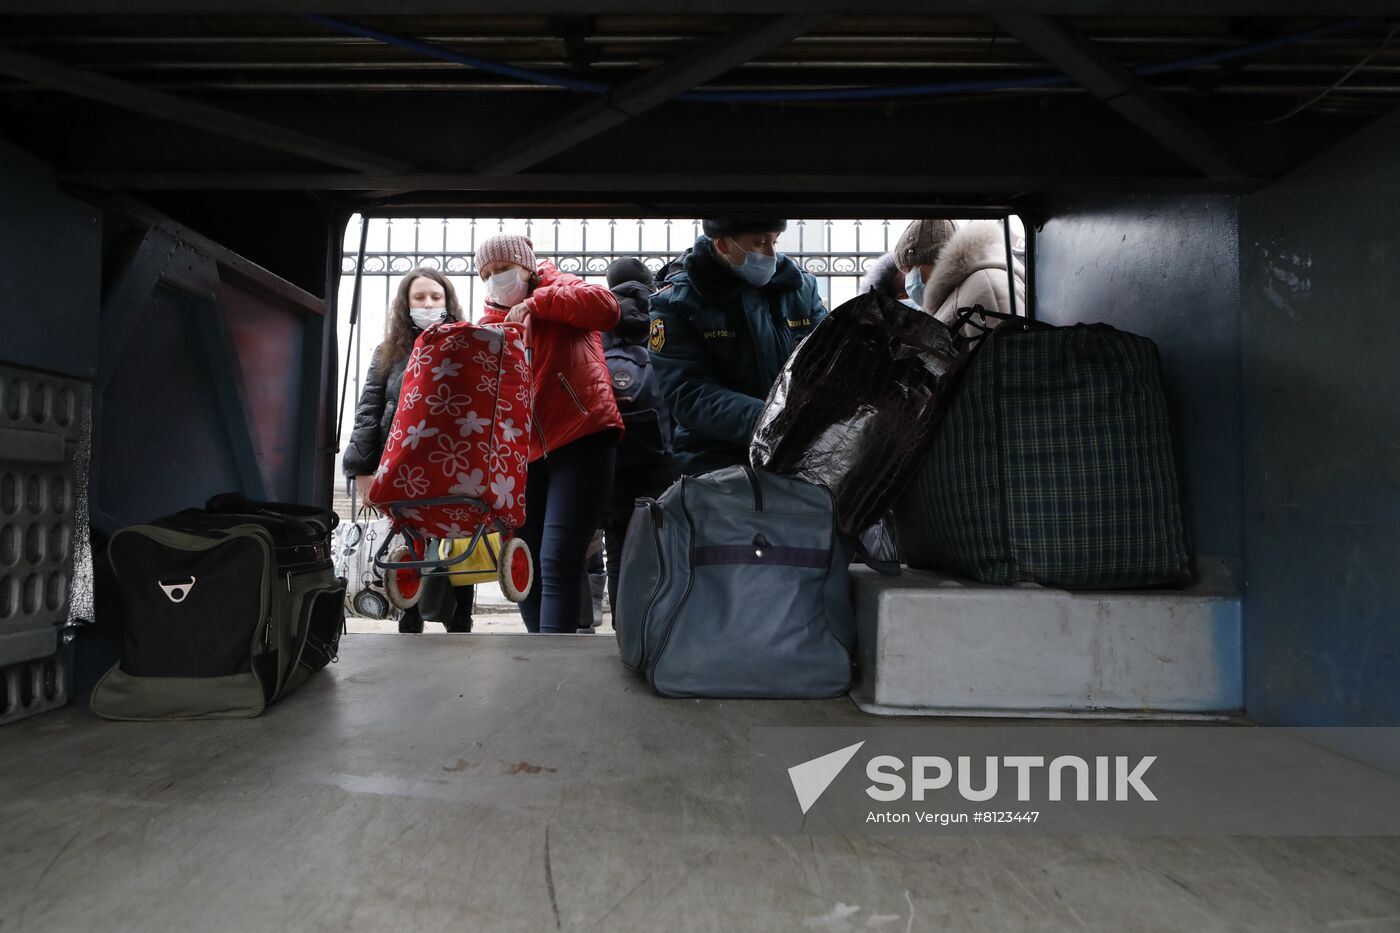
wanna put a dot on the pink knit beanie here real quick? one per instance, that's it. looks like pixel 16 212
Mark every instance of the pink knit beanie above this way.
pixel 510 247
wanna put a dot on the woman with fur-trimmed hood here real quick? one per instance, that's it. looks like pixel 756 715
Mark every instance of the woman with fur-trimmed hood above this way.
pixel 883 276
pixel 948 269
pixel 971 270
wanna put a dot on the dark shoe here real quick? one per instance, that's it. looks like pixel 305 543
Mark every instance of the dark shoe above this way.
pixel 411 622
pixel 461 618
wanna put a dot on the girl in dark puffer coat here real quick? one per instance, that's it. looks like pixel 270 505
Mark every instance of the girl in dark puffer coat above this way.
pixel 575 423
pixel 425 297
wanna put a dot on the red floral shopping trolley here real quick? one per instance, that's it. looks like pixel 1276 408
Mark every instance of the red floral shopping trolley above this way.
pixel 455 460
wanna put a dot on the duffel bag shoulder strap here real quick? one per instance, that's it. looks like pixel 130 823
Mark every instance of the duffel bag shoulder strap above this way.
pixel 235 503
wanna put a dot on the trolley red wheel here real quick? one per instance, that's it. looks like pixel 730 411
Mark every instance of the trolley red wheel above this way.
pixel 403 585
pixel 516 570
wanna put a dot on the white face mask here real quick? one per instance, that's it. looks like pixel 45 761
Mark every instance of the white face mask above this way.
pixel 427 317
pixel 507 287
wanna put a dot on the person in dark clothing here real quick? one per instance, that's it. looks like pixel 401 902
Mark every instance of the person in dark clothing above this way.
pixel 663 275
pixel 425 297
pixel 721 333
pixel 625 270
pixel 646 466
pixel 593 587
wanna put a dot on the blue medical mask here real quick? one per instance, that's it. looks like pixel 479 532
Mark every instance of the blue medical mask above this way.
pixel 914 286
pixel 911 303
pixel 757 268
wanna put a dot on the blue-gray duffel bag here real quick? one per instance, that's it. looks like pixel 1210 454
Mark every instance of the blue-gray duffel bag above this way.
pixel 736 584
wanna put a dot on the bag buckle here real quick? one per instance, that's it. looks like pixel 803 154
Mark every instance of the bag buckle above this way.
pixel 177 592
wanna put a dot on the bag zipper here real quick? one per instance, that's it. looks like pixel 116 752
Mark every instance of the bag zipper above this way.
pixel 570 389
pixel 654 512
pixel 670 623
pixel 305 637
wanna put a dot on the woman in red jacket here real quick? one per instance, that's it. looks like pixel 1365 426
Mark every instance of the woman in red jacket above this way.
pixel 576 424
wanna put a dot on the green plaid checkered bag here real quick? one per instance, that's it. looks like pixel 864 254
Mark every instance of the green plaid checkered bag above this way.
pixel 1053 465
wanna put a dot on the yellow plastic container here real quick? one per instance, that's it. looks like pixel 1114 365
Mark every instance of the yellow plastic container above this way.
pixel 479 568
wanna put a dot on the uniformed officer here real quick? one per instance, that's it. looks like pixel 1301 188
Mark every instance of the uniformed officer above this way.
pixel 721 332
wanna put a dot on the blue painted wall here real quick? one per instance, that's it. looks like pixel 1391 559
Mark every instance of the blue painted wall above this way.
pixel 50 271
pixel 1320 270
pixel 1165 267
pixel 1278 318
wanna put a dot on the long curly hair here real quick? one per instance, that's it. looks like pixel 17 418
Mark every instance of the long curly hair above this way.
pixel 399 330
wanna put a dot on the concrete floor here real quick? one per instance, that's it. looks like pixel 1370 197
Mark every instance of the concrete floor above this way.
pixel 503 782
pixel 493 615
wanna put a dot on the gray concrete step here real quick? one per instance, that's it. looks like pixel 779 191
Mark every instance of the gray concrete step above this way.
pixel 931 644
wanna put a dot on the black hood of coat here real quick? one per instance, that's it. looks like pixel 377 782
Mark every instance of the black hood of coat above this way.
pixel 714 279
pixel 634 299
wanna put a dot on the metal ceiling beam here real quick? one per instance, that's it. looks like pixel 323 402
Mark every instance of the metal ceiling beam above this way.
pixel 733 48
pixel 353 8
pixel 1116 86
pixel 588 185
pixel 175 109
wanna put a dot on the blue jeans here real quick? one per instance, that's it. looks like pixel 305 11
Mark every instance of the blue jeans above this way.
pixel 564 498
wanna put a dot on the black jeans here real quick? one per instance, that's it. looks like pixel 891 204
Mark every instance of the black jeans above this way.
pixel 627 488
pixel 564 499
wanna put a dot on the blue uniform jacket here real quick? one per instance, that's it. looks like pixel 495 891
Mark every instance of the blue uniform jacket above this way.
pixel 718 344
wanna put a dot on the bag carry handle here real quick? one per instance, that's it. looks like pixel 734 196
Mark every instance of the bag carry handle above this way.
pixel 1010 266
pixel 886 568
pixel 977 317
pixel 757 489
pixel 235 503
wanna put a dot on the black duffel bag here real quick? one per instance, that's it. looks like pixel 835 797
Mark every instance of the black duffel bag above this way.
pixel 227 608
